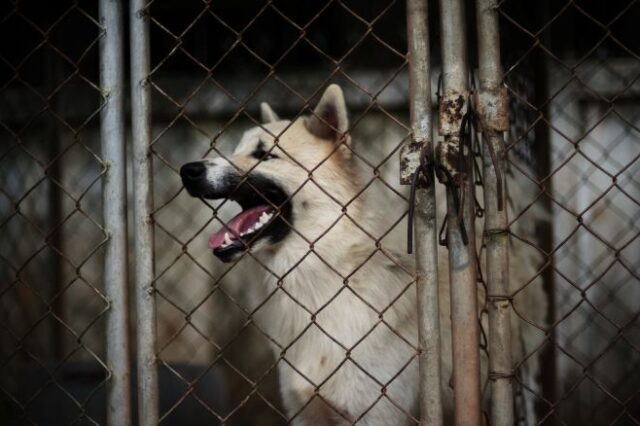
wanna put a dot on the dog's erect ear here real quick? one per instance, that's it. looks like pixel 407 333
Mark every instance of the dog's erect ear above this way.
pixel 329 120
pixel 267 114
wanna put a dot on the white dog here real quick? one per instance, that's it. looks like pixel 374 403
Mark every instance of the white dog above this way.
pixel 341 311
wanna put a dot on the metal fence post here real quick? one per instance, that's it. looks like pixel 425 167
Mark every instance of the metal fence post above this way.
pixel 425 213
pixel 145 302
pixel 112 134
pixel 462 256
pixel 492 106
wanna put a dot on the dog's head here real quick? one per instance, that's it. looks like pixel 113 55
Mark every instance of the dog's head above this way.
pixel 288 178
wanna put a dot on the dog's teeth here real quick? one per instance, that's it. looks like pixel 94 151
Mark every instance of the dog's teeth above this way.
pixel 264 218
pixel 227 239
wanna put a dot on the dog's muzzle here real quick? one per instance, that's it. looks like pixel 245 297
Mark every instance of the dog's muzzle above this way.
pixel 194 179
pixel 266 209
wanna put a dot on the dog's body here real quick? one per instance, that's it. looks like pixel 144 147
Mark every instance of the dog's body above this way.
pixel 340 310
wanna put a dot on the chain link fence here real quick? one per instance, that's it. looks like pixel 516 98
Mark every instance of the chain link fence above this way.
pixel 289 69
pixel 210 349
pixel 582 63
pixel 53 235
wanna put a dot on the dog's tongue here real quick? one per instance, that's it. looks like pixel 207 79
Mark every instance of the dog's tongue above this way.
pixel 238 225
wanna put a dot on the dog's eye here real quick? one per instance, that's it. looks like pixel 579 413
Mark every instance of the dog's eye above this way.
pixel 261 154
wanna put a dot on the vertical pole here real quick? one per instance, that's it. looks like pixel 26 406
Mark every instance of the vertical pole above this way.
pixel 115 220
pixel 462 267
pixel 425 214
pixel 493 110
pixel 144 273
pixel 544 228
pixel 56 237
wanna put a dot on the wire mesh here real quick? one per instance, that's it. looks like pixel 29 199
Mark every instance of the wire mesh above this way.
pixel 235 343
pixel 53 298
pixel 571 71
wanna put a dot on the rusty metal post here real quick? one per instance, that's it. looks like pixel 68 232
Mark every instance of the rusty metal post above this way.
pixel 492 105
pixel 424 213
pixel 459 179
pixel 112 135
pixel 143 226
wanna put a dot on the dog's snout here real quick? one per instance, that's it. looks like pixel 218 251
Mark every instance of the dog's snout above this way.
pixel 192 172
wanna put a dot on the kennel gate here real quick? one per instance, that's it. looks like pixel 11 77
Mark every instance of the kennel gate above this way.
pixel 604 78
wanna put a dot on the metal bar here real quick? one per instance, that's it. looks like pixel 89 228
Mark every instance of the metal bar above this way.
pixel 148 411
pixel 56 238
pixel 544 228
pixel 426 232
pixel 462 267
pixel 112 128
pixel 492 104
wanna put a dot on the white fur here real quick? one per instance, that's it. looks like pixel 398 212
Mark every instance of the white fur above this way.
pixel 329 286
pixel 216 170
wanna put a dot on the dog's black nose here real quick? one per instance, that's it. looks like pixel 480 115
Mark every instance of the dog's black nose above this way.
pixel 192 172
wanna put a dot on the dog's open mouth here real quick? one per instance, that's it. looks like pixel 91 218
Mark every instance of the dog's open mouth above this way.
pixel 243 228
pixel 266 213
pixel 266 209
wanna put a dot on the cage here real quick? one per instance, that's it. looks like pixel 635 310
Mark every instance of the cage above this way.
pixel 113 309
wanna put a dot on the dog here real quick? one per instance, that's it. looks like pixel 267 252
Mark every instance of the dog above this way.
pixel 342 316
pixel 340 308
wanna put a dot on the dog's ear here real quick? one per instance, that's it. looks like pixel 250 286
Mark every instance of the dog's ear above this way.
pixel 267 114
pixel 329 120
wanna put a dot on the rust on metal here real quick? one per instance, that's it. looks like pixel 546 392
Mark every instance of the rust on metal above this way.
pixel 410 160
pixel 492 107
pixel 452 110
pixel 452 168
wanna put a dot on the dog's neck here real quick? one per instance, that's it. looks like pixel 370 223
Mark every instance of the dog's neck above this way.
pixel 300 260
